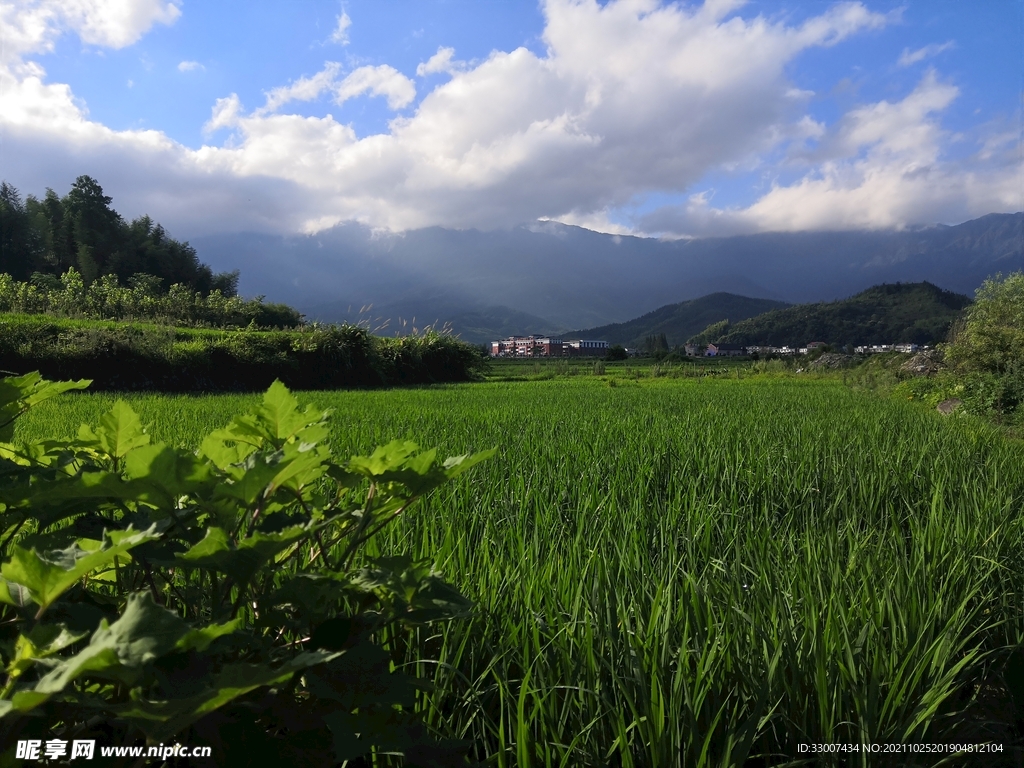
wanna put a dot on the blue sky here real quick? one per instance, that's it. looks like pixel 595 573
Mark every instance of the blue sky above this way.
pixel 249 47
pixel 671 119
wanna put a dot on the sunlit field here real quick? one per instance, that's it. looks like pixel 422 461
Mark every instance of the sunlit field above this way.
pixel 692 571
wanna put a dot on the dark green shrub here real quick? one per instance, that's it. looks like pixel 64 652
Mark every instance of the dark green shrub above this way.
pixel 133 356
pixel 986 347
pixel 150 595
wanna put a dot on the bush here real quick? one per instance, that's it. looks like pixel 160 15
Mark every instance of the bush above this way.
pixel 106 299
pixel 131 357
pixel 990 337
pixel 930 390
pixel 150 595
pixel 986 348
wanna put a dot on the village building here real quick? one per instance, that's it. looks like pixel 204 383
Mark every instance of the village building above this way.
pixel 545 346
pixel 579 347
pixel 527 346
pixel 725 350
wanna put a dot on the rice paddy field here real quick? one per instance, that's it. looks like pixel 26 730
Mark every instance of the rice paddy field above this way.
pixel 695 571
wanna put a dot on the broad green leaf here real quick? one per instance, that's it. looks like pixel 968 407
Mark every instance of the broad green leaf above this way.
pixel 280 416
pixel 118 651
pixel 300 471
pixel 456 465
pixel 161 720
pixel 223 455
pixel 412 589
pixel 250 480
pixel 85 486
pixel 313 595
pixel 41 643
pixel 280 411
pixel 240 562
pixel 48 575
pixel 384 458
pixel 276 421
pixel 18 393
pixel 215 541
pixel 14 594
pixel 119 432
pixel 200 639
pixel 49 639
pixel 167 473
pixel 44 390
pixel 398 462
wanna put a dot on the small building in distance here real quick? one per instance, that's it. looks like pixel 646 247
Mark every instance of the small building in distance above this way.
pixel 527 346
pixel 545 346
pixel 725 350
pixel 579 347
pixel 813 345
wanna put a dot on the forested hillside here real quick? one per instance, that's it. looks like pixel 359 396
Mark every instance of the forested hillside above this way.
pixel 48 236
pixel 678 322
pixel 920 313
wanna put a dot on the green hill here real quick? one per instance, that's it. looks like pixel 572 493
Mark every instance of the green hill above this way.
pixel 920 313
pixel 680 321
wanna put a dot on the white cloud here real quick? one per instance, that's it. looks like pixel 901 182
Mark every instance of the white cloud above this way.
pixel 33 26
pixel 882 166
pixel 190 66
pixel 225 114
pixel 383 80
pixel 340 34
pixel 440 62
pixel 598 221
pixel 377 81
pixel 303 89
pixel 909 57
pixel 630 97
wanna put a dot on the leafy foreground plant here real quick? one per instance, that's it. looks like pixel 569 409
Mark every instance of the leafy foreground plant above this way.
pixel 152 595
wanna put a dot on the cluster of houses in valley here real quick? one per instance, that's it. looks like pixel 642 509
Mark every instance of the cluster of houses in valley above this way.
pixel 736 350
pixel 547 346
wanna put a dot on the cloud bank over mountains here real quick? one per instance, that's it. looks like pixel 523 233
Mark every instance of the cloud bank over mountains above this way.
pixel 630 98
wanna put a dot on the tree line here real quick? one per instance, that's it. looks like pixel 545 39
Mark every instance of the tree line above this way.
pixel 43 238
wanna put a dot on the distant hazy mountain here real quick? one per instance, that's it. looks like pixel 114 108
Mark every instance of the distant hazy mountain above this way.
pixel 568 277
pixel 680 321
pixel 919 313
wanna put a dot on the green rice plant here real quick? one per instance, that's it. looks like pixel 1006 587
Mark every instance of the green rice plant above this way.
pixel 696 571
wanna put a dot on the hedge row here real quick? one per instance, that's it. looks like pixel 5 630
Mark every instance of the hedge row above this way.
pixel 119 356
pixel 105 299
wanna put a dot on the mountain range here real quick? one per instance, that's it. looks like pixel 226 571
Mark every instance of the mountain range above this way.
pixel 550 277
pixel 679 322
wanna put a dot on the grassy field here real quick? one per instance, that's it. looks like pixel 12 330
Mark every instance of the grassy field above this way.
pixel 632 368
pixel 694 571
